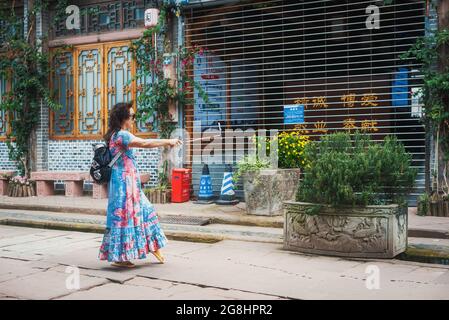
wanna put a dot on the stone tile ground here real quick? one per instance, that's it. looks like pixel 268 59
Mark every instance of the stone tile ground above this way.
pixel 33 265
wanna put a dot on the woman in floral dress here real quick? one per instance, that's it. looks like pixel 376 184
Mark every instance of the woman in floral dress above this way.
pixel 132 226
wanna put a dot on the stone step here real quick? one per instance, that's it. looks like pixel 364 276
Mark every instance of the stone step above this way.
pixel 96 224
pixel 217 214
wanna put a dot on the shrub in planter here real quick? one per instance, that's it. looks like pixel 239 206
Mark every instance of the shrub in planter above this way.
pixel 266 188
pixel 250 165
pixel 291 149
pixel 423 205
pixel 438 204
pixel 158 195
pixel 20 186
pixel 356 171
pixel 352 198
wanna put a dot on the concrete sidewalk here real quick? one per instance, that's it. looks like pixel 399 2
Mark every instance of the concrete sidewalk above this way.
pixel 426 227
pixel 33 265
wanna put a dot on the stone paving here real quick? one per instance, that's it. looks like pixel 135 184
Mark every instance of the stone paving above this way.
pixel 38 264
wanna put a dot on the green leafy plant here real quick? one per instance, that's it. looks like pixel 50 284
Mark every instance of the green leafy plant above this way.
pixel 25 64
pixel 154 99
pixel 250 164
pixel 430 52
pixel 353 170
pixel 291 149
pixel 423 204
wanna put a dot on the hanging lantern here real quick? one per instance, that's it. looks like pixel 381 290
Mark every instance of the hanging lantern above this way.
pixel 151 17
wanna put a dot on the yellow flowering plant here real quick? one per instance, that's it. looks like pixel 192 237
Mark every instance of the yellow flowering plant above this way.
pixel 291 146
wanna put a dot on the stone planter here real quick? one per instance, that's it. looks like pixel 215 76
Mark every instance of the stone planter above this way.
pixel 364 232
pixel 266 191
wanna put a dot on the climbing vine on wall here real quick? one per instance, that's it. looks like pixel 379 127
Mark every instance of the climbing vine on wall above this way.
pixel 154 99
pixel 26 66
pixel 432 52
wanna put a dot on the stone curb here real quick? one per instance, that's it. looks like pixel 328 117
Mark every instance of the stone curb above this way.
pixel 243 221
pixel 95 228
pixel 64 209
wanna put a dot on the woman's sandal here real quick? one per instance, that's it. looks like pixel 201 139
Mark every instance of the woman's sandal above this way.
pixel 126 264
pixel 159 256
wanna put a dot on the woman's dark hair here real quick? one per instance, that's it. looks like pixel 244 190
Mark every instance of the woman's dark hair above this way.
pixel 118 114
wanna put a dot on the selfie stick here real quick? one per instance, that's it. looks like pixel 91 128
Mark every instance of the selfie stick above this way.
pixel 208 138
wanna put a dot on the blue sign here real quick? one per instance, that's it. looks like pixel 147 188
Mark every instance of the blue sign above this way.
pixel 294 114
pixel 400 89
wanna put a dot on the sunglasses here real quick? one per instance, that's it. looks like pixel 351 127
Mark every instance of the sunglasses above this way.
pixel 133 116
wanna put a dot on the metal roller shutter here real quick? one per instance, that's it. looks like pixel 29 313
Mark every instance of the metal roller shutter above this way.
pixel 263 55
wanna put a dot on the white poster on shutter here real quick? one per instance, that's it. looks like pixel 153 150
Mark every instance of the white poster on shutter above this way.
pixel 210 73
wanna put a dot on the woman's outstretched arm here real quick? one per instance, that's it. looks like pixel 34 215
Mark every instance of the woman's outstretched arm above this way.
pixel 137 142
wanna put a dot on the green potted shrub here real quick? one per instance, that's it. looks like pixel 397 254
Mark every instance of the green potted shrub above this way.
pixel 161 193
pixel 352 200
pixel 423 205
pixel 265 186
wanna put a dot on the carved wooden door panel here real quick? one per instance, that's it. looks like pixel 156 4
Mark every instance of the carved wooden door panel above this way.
pixel 62 121
pixel 89 86
pixel 119 87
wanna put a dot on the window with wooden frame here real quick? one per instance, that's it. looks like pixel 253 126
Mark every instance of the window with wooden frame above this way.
pixel 87 80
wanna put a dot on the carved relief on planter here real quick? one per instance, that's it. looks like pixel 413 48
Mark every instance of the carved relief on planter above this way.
pixel 370 232
pixel 266 191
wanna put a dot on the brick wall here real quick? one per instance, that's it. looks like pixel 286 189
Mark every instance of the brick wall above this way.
pixel 76 155
pixel 5 163
pixel 66 155
pixel 42 133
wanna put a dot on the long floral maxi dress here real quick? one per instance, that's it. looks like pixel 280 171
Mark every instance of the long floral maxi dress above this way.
pixel 132 226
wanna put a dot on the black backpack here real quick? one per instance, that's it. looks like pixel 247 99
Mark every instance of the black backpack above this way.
pixel 101 167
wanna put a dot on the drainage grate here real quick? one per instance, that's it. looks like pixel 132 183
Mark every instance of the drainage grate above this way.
pixel 195 221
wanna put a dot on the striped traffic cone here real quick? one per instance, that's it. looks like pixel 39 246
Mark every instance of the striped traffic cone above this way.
pixel 205 195
pixel 227 195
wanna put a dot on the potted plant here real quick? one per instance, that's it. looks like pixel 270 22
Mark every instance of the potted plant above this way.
pixel 159 194
pixel 352 200
pixel 266 188
pixel 21 186
pixel 434 204
pixel 162 192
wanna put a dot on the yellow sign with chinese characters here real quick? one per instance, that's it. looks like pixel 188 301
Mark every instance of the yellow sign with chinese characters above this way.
pixel 349 100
